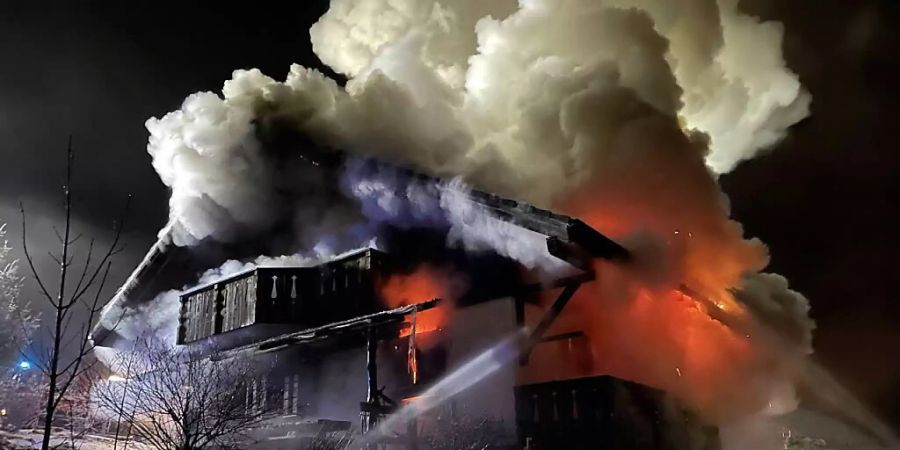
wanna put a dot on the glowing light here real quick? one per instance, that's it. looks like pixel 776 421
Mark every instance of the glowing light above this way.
pixel 410 399
pixel 431 325
pixel 467 375
pixel 116 378
pixel 24 365
pixel 423 284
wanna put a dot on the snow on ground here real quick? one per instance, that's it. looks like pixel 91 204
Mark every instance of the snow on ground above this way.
pixel 811 430
pixel 808 430
pixel 31 439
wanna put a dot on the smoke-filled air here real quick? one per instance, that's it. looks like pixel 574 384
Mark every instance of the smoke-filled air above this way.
pixel 620 112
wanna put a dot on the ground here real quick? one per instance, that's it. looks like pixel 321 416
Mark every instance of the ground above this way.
pixel 31 439
pixel 808 430
pixel 811 430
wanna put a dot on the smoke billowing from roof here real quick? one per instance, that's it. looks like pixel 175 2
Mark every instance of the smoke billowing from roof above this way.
pixel 490 91
pixel 622 112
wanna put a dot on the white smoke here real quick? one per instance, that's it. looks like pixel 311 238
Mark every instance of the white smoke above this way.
pixel 533 100
pixel 730 79
pixel 234 267
pixel 478 88
pixel 736 86
pixel 783 310
pixel 388 195
pixel 158 318
pixel 350 36
pixel 476 229
pixel 206 153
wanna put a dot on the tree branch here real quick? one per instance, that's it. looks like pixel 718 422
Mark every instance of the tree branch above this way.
pixel 28 258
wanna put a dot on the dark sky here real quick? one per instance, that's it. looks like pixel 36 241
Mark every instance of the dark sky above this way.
pixel 824 200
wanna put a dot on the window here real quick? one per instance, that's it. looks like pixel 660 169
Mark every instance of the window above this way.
pixel 291 394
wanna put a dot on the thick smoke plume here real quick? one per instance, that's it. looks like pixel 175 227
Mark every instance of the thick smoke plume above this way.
pixel 622 112
pixel 503 95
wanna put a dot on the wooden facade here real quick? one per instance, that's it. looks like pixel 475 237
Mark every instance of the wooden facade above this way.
pixel 301 296
pixel 605 413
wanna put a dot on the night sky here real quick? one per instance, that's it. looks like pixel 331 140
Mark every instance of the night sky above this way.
pixel 824 200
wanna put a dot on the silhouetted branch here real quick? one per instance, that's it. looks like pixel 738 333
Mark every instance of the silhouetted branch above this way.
pixel 72 315
pixel 28 258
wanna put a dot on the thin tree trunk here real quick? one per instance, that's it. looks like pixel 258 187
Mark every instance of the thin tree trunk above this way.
pixel 60 306
pixel 51 391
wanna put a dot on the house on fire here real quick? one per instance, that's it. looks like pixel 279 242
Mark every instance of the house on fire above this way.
pixel 339 359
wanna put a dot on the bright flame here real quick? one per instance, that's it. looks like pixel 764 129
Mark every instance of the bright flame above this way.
pixel 664 339
pixel 435 324
pixel 641 325
pixel 412 360
pixel 423 284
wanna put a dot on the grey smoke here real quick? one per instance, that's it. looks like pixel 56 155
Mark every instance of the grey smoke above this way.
pixel 635 104
pixel 476 89
pixel 476 229
pixel 205 152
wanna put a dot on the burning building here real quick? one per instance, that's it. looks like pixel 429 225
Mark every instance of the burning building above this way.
pixel 402 290
pixel 362 336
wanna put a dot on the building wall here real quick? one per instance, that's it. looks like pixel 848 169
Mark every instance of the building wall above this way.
pixel 581 412
pixel 340 385
pixel 473 330
pixel 332 383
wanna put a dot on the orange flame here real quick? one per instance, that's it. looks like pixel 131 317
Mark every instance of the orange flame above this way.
pixel 412 399
pixel 423 284
pixel 664 339
pixel 641 326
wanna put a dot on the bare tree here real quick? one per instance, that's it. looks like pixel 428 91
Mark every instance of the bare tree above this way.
pixel 62 356
pixel 78 409
pixel 17 322
pixel 177 399
pixel 18 386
